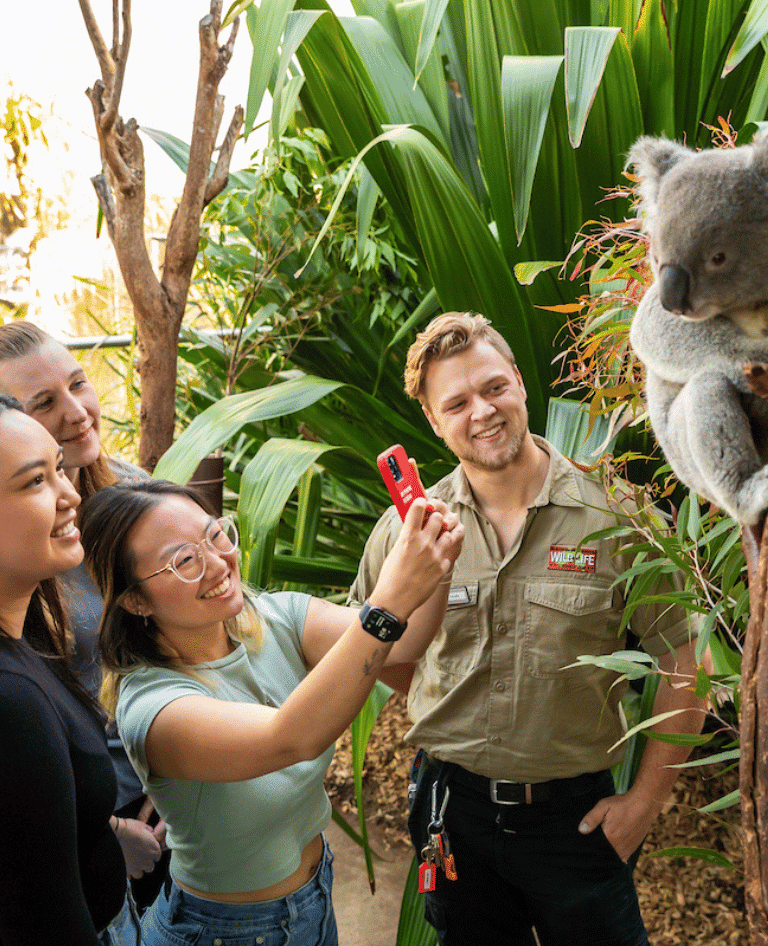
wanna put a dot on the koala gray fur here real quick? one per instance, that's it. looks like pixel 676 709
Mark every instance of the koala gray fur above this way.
pixel 705 317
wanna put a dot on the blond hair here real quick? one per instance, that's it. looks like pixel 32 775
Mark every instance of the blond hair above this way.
pixel 448 334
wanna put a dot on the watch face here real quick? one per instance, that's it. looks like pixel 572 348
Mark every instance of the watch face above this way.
pixel 381 624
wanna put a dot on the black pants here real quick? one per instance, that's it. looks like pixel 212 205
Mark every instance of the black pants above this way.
pixel 523 866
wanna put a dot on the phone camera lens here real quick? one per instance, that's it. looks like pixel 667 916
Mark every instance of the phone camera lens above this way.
pixel 392 464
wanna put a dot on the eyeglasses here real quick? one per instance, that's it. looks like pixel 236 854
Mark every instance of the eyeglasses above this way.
pixel 188 562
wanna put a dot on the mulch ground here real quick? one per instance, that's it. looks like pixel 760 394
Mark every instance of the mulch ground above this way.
pixel 685 901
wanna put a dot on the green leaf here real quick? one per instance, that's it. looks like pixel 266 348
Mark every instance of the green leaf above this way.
pixel 632 669
pixel 646 724
pixel 368 192
pixel 298 24
pixel 391 77
pixel 266 24
pixel 586 55
pixel 726 802
pixel 527 83
pixel 485 83
pixel 430 75
pixel 220 422
pixel 526 273
pixel 732 755
pixel 700 853
pixel 654 69
pixel 753 29
pixel 430 24
pixel 361 729
pixel 270 478
pixel 681 739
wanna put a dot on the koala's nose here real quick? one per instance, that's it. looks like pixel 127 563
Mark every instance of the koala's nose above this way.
pixel 674 286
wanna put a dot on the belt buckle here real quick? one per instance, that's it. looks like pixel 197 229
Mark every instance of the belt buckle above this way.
pixel 495 782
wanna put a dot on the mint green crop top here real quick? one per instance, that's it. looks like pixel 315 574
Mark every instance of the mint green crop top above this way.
pixel 228 837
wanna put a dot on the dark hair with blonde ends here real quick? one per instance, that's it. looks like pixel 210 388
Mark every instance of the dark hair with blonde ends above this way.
pixel 127 641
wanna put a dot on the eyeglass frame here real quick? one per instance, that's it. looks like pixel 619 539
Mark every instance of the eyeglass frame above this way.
pixel 169 566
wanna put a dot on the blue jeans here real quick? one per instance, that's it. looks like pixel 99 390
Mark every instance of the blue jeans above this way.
pixel 303 918
pixel 125 929
pixel 526 865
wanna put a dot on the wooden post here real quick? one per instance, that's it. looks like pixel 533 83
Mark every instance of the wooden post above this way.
pixel 753 766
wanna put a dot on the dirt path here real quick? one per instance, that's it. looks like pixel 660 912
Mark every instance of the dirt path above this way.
pixel 685 902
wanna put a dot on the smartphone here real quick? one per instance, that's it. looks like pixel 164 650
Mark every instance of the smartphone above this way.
pixel 401 478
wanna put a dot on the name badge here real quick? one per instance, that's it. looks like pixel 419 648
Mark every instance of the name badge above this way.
pixel 461 596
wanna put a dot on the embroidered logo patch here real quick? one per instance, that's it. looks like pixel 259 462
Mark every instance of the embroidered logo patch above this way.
pixel 564 559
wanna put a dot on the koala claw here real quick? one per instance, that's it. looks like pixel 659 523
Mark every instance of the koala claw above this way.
pixel 756 376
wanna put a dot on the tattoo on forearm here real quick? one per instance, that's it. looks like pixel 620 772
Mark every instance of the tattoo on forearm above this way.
pixel 372 665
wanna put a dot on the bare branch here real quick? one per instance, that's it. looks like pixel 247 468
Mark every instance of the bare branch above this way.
pixel 225 53
pixel 115 29
pixel 106 202
pixel 106 62
pixel 122 61
pixel 110 152
pixel 220 176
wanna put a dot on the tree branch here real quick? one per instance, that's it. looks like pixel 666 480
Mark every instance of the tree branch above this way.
pixel 116 90
pixel 220 176
pixel 105 60
pixel 184 232
pixel 106 202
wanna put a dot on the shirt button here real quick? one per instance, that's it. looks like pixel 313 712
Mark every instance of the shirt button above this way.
pixel 499 686
pixel 259 939
pixel 496 740
pixel 501 629
pixel 217 942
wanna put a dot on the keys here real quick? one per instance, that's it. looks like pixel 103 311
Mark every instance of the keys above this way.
pixel 436 853
pixel 427 877
pixel 449 864
pixel 432 859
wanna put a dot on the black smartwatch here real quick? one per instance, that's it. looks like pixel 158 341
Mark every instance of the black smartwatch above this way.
pixel 381 624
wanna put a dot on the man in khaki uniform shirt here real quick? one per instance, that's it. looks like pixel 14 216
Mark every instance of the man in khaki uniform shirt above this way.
pixel 538 835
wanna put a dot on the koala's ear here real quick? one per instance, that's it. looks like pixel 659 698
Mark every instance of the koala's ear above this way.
pixel 760 153
pixel 652 158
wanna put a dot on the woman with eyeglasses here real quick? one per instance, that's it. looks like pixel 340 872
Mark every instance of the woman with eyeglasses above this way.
pixel 229 706
pixel 54 389
pixel 62 874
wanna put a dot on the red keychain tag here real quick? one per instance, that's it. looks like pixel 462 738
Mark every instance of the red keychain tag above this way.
pixel 427 877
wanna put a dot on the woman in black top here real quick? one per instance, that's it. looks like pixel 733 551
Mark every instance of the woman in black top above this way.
pixel 62 874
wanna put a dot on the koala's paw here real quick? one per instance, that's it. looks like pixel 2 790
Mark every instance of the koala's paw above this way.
pixel 756 376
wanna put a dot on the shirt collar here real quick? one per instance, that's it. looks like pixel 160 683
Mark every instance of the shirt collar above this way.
pixel 561 486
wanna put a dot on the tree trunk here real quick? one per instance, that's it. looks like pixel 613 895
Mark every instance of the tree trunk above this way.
pixel 753 766
pixel 158 303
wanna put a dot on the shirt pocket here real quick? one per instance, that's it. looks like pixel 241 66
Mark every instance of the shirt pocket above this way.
pixel 456 646
pixel 564 620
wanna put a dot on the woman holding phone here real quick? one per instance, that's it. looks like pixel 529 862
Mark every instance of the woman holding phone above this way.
pixel 229 705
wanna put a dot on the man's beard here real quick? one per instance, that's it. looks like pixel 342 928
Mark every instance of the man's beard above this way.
pixel 494 464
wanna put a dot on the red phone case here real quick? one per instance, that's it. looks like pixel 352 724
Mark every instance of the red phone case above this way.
pixel 401 478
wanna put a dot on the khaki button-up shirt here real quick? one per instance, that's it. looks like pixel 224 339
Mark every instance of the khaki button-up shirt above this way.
pixel 491 692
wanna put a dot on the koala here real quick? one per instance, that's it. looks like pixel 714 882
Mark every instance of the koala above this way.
pixel 701 329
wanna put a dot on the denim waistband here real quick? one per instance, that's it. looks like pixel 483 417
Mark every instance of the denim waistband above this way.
pixel 204 909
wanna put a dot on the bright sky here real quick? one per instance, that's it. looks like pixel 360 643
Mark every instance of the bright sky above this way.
pixel 48 56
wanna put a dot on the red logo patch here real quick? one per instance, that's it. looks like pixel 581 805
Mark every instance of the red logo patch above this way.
pixel 565 559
